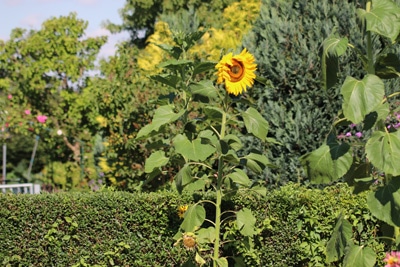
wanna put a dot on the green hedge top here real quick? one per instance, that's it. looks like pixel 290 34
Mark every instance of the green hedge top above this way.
pixel 124 229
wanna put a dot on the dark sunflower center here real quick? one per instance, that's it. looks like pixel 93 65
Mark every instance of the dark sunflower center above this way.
pixel 236 72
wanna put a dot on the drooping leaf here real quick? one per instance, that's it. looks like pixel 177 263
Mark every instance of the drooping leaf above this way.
pixel 239 177
pixel 167 79
pixel 383 151
pixel 361 97
pixel 255 123
pixel 322 168
pixel 384 203
pixel 206 235
pixel 233 141
pixel 174 62
pixel 194 218
pixel 183 178
pixel 359 256
pixel 196 150
pixel 155 161
pixel 162 116
pixel 334 45
pixel 245 222
pixel 340 239
pixel 203 66
pixel 204 88
pixel 256 162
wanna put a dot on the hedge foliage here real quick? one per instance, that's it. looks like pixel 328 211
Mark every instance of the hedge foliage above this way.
pixel 124 229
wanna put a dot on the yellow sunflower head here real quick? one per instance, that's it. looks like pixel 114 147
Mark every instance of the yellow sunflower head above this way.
pixel 237 72
pixel 181 210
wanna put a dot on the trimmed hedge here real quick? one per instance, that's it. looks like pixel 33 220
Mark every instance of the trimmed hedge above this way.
pixel 124 229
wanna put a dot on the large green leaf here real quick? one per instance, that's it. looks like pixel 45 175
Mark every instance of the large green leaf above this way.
pixel 383 18
pixel 194 218
pixel 334 45
pixel 385 202
pixel 383 151
pixel 203 66
pixel 155 161
pixel 238 176
pixel 361 97
pixel 340 239
pixel 196 150
pixel 256 162
pixel 359 256
pixel 183 178
pixel 167 79
pixel 204 88
pixel 255 123
pixel 246 221
pixel 162 116
pixel 327 163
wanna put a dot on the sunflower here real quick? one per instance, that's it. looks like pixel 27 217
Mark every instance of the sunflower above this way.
pixel 189 241
pixel 237 72
pixel 181 211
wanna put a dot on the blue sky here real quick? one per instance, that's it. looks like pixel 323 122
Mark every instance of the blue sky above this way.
pixel 30 14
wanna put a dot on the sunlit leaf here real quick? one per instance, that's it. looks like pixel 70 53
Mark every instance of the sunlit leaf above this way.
pixel 222 262
pixel 359 256
pixel 334 45
pixel 162 116
pixel 384 203
pixel 383 18
pixel 196 150
pixel 238 176
pixel 245 222
pixel 206 235
pixel 361 97
pixel 194 218
pixel 255 123
pixel 383 151
pixel 155 161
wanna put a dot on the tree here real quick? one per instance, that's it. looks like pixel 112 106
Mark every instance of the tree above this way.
pixel 46 72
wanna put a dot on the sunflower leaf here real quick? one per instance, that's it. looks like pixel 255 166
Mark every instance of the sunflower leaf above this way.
pixel 255 123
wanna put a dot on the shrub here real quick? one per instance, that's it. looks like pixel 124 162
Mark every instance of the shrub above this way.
pixel 286 41
pixel 125 229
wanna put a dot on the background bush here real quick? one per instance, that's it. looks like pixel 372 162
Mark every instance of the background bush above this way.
pixel 127 229
pixel 287 40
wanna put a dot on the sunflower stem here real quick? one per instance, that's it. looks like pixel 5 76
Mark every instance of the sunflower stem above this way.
pixel 219 196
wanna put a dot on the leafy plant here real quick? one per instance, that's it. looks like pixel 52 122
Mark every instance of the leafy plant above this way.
pixel 371 162
pixel 202 130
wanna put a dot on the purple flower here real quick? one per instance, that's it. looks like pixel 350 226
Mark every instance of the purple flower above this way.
pixel 359 134
pixel 352 125
pixel 348 134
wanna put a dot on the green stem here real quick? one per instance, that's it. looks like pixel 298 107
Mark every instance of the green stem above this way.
pixel 370 67
pixel 219 198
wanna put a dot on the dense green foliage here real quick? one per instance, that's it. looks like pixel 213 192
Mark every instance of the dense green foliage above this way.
pixel 287 42
pixel 137 229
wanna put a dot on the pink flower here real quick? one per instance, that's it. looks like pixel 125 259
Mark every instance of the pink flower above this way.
pixel 392 259
pixel 359 134
pixel 348 134
pixel 9 96
pixel 27 112
pixel 41 118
